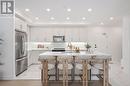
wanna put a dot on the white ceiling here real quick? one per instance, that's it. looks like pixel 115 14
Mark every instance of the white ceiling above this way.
pixel 101 10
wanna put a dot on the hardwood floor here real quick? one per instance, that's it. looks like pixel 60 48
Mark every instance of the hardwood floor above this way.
pixel 51 83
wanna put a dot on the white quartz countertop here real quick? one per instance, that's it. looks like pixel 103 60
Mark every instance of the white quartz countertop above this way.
pixel 82 55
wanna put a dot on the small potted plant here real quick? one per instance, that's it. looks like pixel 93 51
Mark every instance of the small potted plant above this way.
pixel 87 47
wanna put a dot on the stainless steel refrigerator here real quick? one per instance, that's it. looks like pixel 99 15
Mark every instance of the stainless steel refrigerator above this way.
pixel 21 59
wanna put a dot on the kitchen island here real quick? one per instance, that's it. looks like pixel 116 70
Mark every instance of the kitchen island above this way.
pixel 86 57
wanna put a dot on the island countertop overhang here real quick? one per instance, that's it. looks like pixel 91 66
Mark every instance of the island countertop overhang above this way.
pixel 81 55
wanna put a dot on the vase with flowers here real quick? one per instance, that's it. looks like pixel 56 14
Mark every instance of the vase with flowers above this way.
pixel 87 46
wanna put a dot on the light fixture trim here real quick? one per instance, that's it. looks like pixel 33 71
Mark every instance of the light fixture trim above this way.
pixel 67 18
pixel 69 10
pixel 101 23
pixel 48 9
pixel 111 18
pixel 83 18
pixel 27 10
pixel 90 9
pixel 37 18
pixel 52 18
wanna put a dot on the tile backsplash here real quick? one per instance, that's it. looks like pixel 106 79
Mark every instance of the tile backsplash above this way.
pixel 51 45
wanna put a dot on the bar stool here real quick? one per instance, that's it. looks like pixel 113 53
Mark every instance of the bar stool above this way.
pixel 46 66
pixel 80 66
pixel 65 65
pixel 102 66
pixel 50 67
pixel 83 64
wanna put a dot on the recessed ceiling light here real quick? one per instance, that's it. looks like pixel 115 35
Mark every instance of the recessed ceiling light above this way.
pixel 101 23
pixel 90 10
pixel 48 10
pixel 69 10
pixel 68 18
pixel 83 18
pixel 52 18
pixel 37 18
pixel 111 18
pixel 27 10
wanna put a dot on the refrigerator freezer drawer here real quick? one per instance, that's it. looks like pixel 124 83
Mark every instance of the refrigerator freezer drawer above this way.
pixel 21 65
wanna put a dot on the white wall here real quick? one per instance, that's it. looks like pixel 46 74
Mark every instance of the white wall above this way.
pixel 126 44
pixel 108 39
pixel 7 48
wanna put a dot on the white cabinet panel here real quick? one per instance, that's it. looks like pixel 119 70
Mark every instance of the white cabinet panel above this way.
pixel 48 35
pixel 20 24
pixel 83 35
pixel 41 34
pixel 24 26
pixel 36 35
pixel 76 34
pixel 68 34
pixel 17 23
pixel 58 31
pixel 72 34
pixel 34 55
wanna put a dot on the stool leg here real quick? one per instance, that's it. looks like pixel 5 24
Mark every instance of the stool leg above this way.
pixel 64 69
pixel 45 73
pixel 41 74
pixel 104 73
pixel 85 73
pixel 65 73
pixel 56 70
pixel 73 69
pixel 107 72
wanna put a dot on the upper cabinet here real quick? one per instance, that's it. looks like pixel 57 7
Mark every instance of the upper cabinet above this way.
pixel 72 34
pixel 39 34
pixel 83 35
pixel 17 23
pixel 68 35
pixel 20 24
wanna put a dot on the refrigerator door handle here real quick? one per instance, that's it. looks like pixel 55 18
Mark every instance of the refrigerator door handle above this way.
pixel 21 59
pixel 22 45
pixel 21 50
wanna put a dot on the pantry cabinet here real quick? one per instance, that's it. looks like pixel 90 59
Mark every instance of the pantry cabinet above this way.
pixel 20 24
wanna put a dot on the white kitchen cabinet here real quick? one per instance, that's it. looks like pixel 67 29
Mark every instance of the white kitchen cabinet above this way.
pixel 83 35
pixel 58 31
pixel 76 34
pixel 72 34
pixel 68 35
pixel 20 24
pixel 46 34
pixel 17 24
pixel 41 35
pixel 34 55
pixel 24 26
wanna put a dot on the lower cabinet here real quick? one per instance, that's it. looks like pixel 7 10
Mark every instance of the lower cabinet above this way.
pixel 34 55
